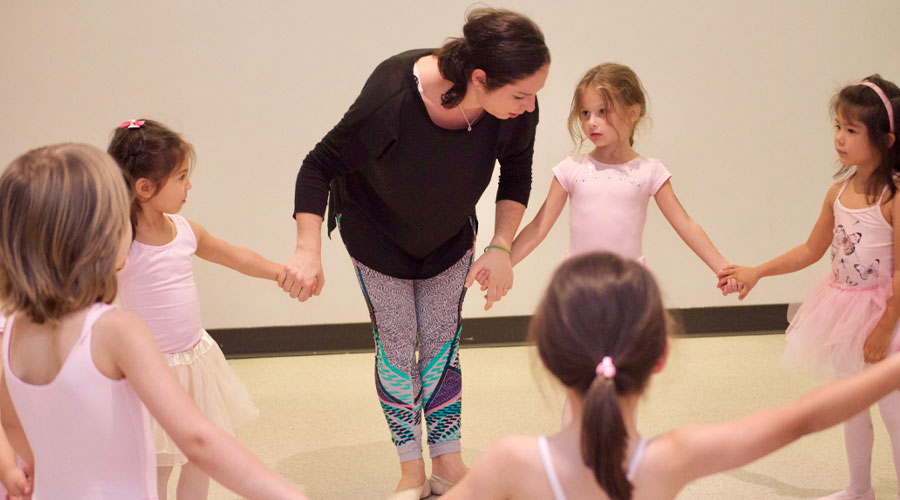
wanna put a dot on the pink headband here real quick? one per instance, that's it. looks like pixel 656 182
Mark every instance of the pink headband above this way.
pixel 606 368
pixel 885 100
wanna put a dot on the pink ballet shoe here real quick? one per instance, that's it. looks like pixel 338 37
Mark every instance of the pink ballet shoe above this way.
pixel 439 485
pixel 417 493
pixel 847 495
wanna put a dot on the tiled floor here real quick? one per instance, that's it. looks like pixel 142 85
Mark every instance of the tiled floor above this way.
pixel 321 425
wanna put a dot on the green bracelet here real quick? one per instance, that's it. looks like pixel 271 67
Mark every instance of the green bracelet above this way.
pixel 498 247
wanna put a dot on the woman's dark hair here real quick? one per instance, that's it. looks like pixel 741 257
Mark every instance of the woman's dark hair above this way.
pixel 507 45
pixel 600 305
pixel 862 104
pixel 150 151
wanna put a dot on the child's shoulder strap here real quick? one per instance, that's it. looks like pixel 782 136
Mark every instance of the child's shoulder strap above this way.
pixel 843 187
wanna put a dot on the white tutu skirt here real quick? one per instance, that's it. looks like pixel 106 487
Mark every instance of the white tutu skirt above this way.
pixel 216 390
pixel 829 330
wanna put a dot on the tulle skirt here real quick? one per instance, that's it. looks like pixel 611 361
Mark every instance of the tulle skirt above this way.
pixel 216 390
pixel 828 332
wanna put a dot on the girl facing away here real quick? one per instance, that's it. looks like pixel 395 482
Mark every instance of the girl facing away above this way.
pixel 850 319
pixel 601 329
pixel 77 371
pixel 609 188
pixel 157 284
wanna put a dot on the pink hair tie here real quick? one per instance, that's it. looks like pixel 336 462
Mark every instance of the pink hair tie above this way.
pixel 885 100
pixel 606 368
pixel 131 124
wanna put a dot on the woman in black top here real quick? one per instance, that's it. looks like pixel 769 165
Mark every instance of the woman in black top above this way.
pixel 404 169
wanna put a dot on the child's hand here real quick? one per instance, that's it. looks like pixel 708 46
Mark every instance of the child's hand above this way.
pixel 302 275
pixel 877 344
pixel 18 482
pixel 495 269
pixel 746 278
pixel 730 286
pixel 483 276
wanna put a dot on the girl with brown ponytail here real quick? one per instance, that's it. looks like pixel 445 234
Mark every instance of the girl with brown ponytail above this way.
pixel 601 329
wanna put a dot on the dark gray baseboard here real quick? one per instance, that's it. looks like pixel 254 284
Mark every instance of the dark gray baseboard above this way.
pixel 483 332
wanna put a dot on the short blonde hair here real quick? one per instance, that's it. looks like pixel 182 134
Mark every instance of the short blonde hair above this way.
pixel 618 84
pixel 63 211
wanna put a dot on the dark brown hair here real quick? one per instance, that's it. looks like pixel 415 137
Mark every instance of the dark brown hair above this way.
pixel 860 103
pixel 507 45
pixel 150 151
pixel 600 305
pixel 63 212
pixel 620 87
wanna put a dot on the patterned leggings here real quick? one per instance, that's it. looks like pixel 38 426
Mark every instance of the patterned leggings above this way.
pixel 424 312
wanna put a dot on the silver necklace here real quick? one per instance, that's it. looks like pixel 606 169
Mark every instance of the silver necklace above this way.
pixel 468 123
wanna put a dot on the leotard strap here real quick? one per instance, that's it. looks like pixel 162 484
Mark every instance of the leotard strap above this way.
pixel 555 485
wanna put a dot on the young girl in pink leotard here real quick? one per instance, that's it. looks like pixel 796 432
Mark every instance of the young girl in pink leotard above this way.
pixel 78 373
pixel 601 330
pixel 609 188
pixel 850 320
pixel 157 284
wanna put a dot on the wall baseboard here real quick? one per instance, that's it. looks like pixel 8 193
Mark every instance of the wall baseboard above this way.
pixel 483 332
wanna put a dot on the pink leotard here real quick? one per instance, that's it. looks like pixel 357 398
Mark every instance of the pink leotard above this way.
pixel 157 284
pixel 608 203
pixel 89 433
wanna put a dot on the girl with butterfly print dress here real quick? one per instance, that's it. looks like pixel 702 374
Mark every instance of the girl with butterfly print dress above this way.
pixel 850 320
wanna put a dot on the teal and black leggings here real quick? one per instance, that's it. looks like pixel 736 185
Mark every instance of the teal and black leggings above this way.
pixel 407 313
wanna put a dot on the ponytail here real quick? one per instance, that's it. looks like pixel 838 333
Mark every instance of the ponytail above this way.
pixel 894 149
pixel 452 59
pixel 602 308
pixel 604 439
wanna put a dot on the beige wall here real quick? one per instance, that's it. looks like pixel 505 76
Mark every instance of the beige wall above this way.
pixel 738 92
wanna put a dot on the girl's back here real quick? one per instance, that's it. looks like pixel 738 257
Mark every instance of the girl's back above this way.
pixel 101 448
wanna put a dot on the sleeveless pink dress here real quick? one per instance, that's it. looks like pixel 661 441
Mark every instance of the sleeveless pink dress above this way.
pixel 89 433
pixel 831 326
pixel 157 284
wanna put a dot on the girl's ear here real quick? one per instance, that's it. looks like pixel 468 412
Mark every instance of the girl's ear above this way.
pixel 143 189
pixel 661 362
pixel 891 139
pixel 634 113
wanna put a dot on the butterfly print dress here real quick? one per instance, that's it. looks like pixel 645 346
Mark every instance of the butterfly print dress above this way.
pixel 830 328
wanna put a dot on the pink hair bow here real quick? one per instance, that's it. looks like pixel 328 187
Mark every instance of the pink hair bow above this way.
pixel 131 124
pixel 606 368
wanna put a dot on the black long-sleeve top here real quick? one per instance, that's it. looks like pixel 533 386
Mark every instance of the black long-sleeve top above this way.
pixel 403 190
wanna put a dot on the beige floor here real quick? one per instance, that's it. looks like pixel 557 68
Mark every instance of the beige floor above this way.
pixel 321 425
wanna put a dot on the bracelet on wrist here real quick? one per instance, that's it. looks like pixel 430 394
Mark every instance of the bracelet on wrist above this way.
pixel 498 247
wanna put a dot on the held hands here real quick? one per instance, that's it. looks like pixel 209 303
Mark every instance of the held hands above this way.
pixel 730 286
pixel 493 270
pixel 877 345
pixel 302 275
pixel 745 278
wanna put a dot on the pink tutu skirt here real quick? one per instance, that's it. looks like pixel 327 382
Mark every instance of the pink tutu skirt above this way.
pixel 828 332
pixel 216 390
